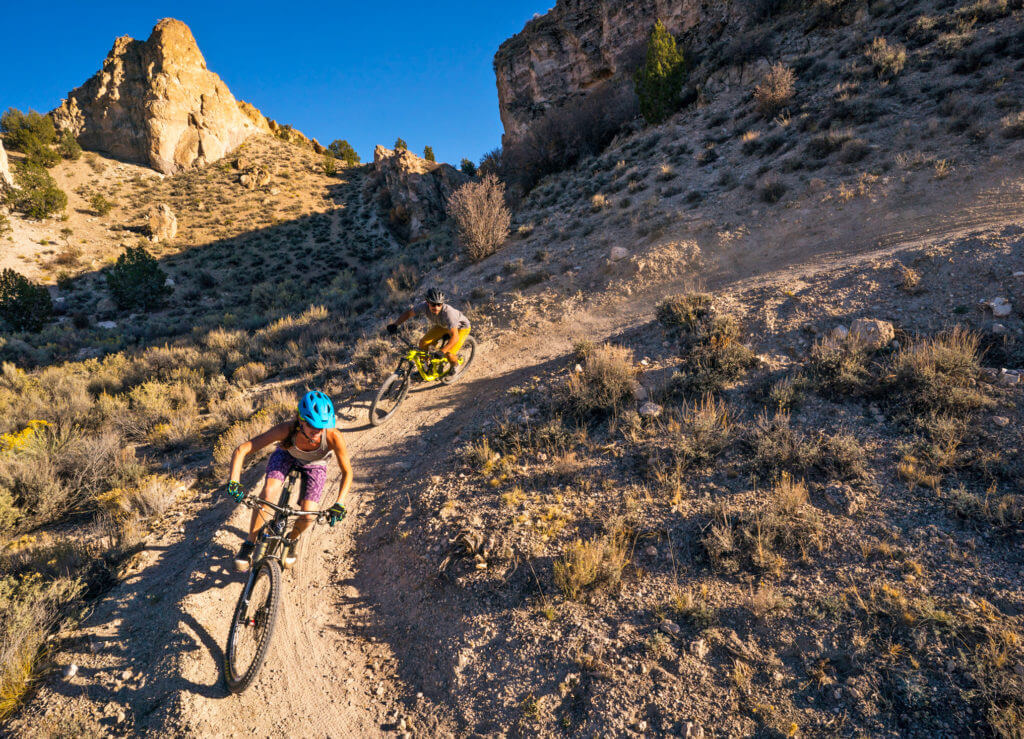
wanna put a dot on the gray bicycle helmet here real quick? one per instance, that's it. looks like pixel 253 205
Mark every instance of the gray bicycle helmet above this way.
pixel 435 295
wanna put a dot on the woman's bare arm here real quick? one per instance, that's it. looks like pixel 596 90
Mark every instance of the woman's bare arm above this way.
pixel 276 434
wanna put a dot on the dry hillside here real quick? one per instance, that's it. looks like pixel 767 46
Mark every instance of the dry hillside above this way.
pixel 682 491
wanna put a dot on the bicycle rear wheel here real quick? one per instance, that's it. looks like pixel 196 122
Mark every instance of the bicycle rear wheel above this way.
pixel 252 626
pixel 389 397
pixel 466 353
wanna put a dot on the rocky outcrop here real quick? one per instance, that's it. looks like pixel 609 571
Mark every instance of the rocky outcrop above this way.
pixel 155 102
pixel 163 224
pixel 283 132
pixel 6 181
pixel 588 50
pixel 411 191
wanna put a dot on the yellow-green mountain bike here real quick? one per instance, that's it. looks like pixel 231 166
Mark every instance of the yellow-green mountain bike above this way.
pixel 418 365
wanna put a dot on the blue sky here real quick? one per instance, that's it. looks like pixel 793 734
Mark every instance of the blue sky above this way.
pixel 367 72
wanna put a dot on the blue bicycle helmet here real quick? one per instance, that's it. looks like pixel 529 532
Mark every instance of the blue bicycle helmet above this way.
pixel 317 410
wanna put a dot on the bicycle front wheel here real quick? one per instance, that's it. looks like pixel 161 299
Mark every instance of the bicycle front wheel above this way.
pixel 465 354
pixel 252 626
pixel 389 397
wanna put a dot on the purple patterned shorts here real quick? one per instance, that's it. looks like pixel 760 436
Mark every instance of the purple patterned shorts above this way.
pixel 313 476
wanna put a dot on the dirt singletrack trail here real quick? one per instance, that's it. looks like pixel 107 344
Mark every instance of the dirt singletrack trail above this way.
pixel 153 647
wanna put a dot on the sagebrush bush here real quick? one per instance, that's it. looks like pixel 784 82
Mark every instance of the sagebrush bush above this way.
pixel 710 347
pixel 136 280
pixel 605 384
pixel 24 305
pixel 887 58
pixel 1013 125
pixel 659 81
pixel 481 217
pixel 775 89
pixel 100 204
pixel 38 195
pixel 839 367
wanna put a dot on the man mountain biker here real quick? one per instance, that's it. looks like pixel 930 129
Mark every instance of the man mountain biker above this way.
pixel 304 443
pixel 447 324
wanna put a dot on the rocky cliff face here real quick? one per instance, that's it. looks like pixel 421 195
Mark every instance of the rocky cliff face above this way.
pixel 156 102
pixel 588 49
pixel 283 132
pixel 412 192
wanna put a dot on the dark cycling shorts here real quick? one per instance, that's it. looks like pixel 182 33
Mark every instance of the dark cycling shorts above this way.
pixel 314 476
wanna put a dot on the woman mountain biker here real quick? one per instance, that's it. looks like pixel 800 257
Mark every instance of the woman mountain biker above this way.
pixel 446 323
pixel 304 444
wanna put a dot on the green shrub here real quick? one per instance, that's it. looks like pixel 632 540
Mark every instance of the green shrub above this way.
pixel 684 312
pixel 38 195
pixel 428 153
pixel 341 149
pixel 839 367
pixel 136 280
pixel 709 344
pixel 69 147
pixel 24 305
pixel 27 133
pixel 330 165
pixel 468 167
pixel 659 81
pixel 400 144
pixel 100 204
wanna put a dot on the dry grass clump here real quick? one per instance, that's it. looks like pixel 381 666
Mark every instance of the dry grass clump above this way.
pixel 998 670
pixel 779 448
pixel 589 563
pixel 775 89
pixel 757 538
pixel 1001 511
pixel 481 217
pixel 241 431
pixel 29 608
pixel 939 374
pixel 605 384
pixel 887 58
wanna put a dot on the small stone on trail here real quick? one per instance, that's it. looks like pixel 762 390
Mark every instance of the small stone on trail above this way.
pixel 107 324
pixel 1001 307
pixel 699 649
pixel 618 253
pixel 650 410
pixel 70 671
pixel 651 551
pixel 1001 421
pixel 840 332
pixel 998 328
pixel 670 627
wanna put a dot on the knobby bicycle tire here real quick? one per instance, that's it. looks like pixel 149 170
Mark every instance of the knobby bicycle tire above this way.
pixel 468 346
pixel 385 389
pixel 265 614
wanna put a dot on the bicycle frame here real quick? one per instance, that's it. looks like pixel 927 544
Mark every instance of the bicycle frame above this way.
pixel 429 369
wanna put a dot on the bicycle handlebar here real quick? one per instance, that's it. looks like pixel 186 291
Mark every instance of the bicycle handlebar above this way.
pixel 251 501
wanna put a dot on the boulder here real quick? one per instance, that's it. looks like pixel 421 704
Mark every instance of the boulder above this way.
pixel 411 191
pixel 155 102
pixel 618 253
pixel 255 177
pixel 1001 307
pixel 650 410
pixel 875 334
pixel 6 181
pixel 163 225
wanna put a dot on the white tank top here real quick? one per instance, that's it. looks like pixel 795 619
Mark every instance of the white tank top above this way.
pixel 316 456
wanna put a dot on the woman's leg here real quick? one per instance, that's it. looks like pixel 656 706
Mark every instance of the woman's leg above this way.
pixel 278 467
pixel 314 478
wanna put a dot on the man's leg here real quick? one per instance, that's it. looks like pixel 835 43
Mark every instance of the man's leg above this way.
pixel 432 336
pixel 451 349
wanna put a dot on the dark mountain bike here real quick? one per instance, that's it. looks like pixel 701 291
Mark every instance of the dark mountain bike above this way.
pixel 418 364
pixel 253 622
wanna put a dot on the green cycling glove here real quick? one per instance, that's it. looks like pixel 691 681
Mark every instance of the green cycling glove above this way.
pixel 234 489
pixel 335 514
